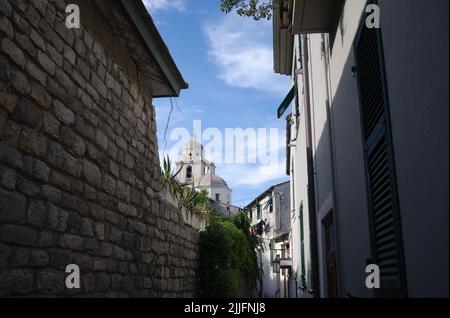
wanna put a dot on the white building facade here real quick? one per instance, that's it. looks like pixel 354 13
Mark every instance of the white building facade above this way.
pixel 269 215
pixel 367 144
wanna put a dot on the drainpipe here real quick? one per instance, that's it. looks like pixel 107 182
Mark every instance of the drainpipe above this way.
pixel 310 168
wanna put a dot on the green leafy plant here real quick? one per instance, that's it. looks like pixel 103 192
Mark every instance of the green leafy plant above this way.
pixel 255 243
pixel 258 9
pixel 188 195
pixel 202 204
pixel 228 260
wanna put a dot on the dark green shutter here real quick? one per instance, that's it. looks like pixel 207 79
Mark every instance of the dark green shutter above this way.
pixel 382 192
pixel 302 245
pixel 286 102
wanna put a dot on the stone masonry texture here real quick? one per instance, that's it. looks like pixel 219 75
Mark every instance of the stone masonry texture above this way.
pixel 79 168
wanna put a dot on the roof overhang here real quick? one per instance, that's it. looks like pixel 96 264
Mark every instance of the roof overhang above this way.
pixel 264 194
pixel 154 42
pixel 283 40
pixel 315 16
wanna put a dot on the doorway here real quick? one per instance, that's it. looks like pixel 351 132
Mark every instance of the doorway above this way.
pixel 330 255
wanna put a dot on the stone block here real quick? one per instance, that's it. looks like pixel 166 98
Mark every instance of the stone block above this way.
pixel 8 99
pixel 50 282
pixel 99 230
pixel 28 113
pixel 39 258
pixel 92 173
pixel 37 214
pixel 6 27
pixel 20 82
pixel 47 63
pixel 40 95
pixel 56 154
pixel 33 142
pixel 35 72
pixel 63 113
pixel 16 281
pixel 87 227
pixel 51 193
pixel 17 234
pixel 73 242
pixel 15 53
pixel 106 249
pixel 12 207
pixel 5 8
pixel 7 178
pixel 70 55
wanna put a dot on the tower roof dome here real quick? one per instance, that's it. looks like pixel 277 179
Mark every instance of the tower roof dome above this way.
pixel 212 181
pixel 193 150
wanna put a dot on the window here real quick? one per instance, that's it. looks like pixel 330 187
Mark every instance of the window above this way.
pixel 218 197
pixel 302 246
pixel 384 216
pixel 293 180
pixel 188 172
pixel 288 250
pixel 258 211
pixel 272 250
pixel 283 250
pixel 269 204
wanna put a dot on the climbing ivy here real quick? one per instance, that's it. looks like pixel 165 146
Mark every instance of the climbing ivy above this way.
pixel 228 260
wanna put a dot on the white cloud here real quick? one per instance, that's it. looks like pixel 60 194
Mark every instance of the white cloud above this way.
pixel 242 50
pixel 252 175
pixel 182 112
pixel 156 5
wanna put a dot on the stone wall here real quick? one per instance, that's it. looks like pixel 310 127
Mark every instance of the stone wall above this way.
pixel 79 168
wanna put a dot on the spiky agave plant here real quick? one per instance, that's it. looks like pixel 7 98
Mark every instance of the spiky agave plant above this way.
pixel 188 197
pixel 169 178
pixel 202 205
pixel 204 209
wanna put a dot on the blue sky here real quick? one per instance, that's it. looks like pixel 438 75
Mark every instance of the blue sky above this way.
pixel 227 61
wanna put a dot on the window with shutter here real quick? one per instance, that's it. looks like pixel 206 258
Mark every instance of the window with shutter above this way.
pixel 302 246
pixel 258 211
pixel 384 214
pixel 272 250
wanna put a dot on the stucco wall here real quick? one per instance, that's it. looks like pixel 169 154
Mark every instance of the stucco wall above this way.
pixel 415 40
pixel 416 58
pixel 299 190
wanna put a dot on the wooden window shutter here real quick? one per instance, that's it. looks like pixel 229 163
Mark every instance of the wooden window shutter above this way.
pixel 384 216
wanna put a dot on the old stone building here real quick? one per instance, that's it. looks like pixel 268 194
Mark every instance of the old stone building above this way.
pixel 200 172
pixel 79 170
pixel 197 170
